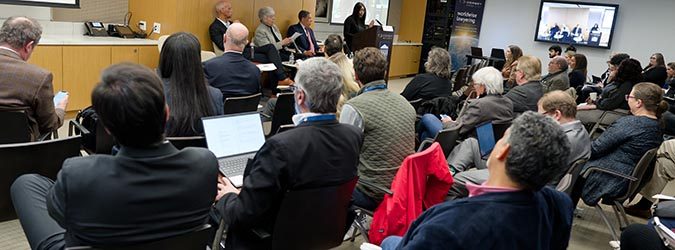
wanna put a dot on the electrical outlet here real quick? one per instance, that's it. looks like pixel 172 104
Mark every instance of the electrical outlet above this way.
pixel 142 25
pixel 156 28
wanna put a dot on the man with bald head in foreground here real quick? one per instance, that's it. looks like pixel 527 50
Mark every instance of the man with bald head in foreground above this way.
pixel 232 73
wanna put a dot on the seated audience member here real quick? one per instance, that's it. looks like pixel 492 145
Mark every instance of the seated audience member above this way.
pixel 664 172
pixel 232 73
pixel 306 43
pixel 578 74
pixel 389 138
pixel 435 82
pixel 571 48
pixel 319 152
pixel 526 95
pixel 655 72
pixel 670 82
pixel 349 86
pixel 557 78
pixel 334 44
pixel 622 145
pixel 262 54
pixel 533 151
pixel 606 78
pixel 614 94
pixel 187 93
pixel 489 106
pixel 24 85
pixel 268 33
pixel 558 105
pixel 645 237
pixel 669 116
pixel 554 51
pixel 569 55
pixel 149 191
pixel 512 54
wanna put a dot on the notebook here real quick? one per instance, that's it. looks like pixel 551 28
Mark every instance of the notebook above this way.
pixel 234 139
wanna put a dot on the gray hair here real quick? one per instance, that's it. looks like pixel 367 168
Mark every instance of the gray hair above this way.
pixel 561 62
pixel 439 63
pixel 491 78
pixel 17 31
pixel 321 80
pixel 265 12
pixel 539 150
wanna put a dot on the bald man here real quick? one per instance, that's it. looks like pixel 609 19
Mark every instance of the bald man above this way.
pixel 557 78
pixel 233 74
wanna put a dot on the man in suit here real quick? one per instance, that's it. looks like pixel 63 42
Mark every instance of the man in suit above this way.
pixel 23 85
pixel 526 95
pixel 318 152
pixel 307 41
pixel 149 191
pixel 232 73
pixel 262 54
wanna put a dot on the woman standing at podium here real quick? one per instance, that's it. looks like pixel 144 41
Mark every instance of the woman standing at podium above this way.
pixel 355 23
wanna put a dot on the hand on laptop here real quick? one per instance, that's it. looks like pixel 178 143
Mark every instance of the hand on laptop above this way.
pixel 225 187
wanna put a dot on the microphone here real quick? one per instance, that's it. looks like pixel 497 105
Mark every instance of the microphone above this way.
pixel 378 22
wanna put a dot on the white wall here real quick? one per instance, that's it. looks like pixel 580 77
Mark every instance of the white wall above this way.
pixel 642 28
pixel 322 30
pixel 39 13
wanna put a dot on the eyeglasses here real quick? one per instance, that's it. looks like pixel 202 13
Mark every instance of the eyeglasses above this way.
pixel 630 96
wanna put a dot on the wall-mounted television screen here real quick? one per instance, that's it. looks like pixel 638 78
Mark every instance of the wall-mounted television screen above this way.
pixel 45 3
pixel 576 23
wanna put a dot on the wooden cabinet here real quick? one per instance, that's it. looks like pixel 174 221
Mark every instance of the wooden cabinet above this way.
pixel 148 56
pixel 120 54
pixel 82 66
pixel 51 59
pixel 405 60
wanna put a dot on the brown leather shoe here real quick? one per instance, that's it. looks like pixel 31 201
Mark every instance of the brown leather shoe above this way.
pixel 285 82
pixel 638 212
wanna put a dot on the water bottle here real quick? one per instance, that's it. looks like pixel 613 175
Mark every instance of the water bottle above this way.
pixel 252 51
pixel 291 58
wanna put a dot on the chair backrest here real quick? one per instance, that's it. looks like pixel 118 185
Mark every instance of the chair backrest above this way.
pixel 188 141
pixel 217 50
pixel 607 118
pixel 497 53
pixel 416 103
pixel 195 240
pixel 14 126
pixel 284 128
pixel 44 158
pixel 284 110
pixel 160 42
pixel 566 183
pixel 242 104
pixel 642 171
pixel 207 55
pixel 447 138
pixel 313 218
pixel 460 79
pixel 500 129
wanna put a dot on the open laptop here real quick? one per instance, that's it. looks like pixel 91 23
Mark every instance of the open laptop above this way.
pixel 477 51
pixel 234 139
pixel 486 138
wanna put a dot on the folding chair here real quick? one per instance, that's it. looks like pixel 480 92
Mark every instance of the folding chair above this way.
pixel 188 141
pixel 242 104
pixel 195 240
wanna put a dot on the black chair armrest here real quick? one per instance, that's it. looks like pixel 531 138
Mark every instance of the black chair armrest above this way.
pixel 591 169
pixel 374 186
pixel 76 125
pixel 46 136
pixel 265 115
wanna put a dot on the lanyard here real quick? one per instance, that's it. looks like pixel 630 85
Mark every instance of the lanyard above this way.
pixel 375 87
pixel 317 118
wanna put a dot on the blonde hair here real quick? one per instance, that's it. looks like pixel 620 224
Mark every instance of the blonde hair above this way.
pixel 531 67
pixel 350 87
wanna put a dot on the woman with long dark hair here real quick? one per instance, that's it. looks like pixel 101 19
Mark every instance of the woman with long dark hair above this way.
pixel 579 65
pixel 187 94
pixel 355 23
pixel 512 54
pixel 656 71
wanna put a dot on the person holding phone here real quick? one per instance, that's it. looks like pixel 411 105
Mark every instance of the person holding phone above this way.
pixel 356 23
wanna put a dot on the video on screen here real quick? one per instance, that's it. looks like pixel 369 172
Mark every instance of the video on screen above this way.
pixel 576 23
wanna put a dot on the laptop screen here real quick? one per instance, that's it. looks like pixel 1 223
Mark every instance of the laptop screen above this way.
pixel 233 134
pixel 486 138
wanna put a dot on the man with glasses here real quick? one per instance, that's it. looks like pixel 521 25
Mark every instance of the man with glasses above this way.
pixel 526 95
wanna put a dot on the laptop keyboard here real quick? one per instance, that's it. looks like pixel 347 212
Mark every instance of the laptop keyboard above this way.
pixel 233 166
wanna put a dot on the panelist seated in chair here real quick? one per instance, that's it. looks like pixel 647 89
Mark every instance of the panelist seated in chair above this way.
pixel 149 191
pixel 261 54
pixel 306 43
pixel 232 73
pixel 511 210
pixel 268 33
pixel 556 104
pixel 24 85
pixel 318 152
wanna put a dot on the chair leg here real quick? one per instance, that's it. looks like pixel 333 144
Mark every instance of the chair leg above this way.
pixel 218 238
pixel 620 210
pixel 609 225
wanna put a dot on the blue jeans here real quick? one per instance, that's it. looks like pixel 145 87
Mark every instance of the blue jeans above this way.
pixel 391 242
pixel 430 126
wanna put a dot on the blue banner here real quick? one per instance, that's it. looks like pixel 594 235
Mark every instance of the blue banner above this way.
pixel 466 25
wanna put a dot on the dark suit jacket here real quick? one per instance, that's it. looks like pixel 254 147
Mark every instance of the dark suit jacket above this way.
pixel 216 31
pixel 23 85
pixel 525 97
pixel 312 155
pixel 302 41
pixel 137 196
pixel 233 75
pixel 495 108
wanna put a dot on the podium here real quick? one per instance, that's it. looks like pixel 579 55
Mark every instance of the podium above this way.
pixel 375 37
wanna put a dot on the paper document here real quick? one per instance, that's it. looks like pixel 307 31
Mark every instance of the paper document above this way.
pixel 267 67
pixel 296 35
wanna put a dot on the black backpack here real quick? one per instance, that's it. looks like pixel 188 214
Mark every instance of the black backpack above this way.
pixel 88 119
